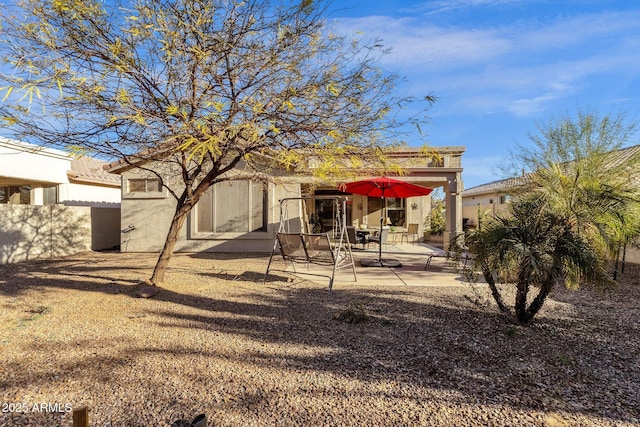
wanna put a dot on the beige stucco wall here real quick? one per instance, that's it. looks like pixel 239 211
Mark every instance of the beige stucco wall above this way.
pixel 96 194
pixel 484 204
pixel 33 232
pixel 633 255
pixel 482 199
pixel 471 213
pixel 145 221
pixel 30 232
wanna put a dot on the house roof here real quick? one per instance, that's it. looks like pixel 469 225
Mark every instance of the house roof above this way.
pixel 499 186
pixel 91 171
pixel 620 156
pixel 86 170
pixel 123 164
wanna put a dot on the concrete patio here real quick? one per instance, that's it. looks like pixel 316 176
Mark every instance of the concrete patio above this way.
pixel 412 273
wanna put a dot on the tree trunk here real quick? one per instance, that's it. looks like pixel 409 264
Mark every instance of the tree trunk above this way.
pixel 538 301
pixel 615 265
pixel 184 205
pixel 177 222
pixel 521 299
pixel 488 277
pixel 545 289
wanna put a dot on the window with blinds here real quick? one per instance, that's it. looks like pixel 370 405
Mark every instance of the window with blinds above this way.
pixel 238 206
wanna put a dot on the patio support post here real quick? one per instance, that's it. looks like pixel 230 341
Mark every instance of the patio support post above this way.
pixel 453 206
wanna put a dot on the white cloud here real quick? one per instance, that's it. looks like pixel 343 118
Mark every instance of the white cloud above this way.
pixel 528 107
pixel 433 7
pixel 525 67
pixel 416 45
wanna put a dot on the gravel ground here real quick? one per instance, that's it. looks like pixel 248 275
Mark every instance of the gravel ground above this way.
pixel 218 341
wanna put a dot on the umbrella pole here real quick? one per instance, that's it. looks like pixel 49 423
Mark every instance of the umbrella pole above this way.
pixel 382 219
pixel 379 262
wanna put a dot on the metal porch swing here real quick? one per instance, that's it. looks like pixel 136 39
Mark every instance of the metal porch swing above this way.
pixel 304 246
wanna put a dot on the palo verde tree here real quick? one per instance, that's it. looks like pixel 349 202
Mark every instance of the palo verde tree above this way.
pixel 211 90
pixel 582 166
pixel 579 201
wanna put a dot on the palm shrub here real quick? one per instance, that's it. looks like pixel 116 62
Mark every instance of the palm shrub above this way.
pixel 581 166
pixel 534 249
pixel 579 204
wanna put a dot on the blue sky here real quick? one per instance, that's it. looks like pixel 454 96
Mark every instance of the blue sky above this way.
pixel 500 67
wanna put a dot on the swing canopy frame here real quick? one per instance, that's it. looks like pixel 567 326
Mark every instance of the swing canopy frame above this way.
pixel 303 246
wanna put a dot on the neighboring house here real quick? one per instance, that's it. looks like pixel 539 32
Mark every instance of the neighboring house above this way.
pixel 243 216
pixel 41 192
pixel 32 175
pixel 494 197
pixel 487 199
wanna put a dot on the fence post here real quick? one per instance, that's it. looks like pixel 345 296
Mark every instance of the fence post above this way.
pixel 81 417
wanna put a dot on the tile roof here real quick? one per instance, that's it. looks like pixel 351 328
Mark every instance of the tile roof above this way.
pixel 500 186
pixel 91 171
pixel 620 156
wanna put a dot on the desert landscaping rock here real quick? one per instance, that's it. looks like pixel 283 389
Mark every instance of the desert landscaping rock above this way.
pixel 218 341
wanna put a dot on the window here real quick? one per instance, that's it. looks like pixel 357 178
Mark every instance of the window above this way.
pixel 238 206
pixel 504 199
pixel 146 185
pixel 50 195
pixel 396 211
pixel 15 195
pixel 143 188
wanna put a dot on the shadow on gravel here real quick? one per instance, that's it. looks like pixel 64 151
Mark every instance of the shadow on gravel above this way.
pixel 562 363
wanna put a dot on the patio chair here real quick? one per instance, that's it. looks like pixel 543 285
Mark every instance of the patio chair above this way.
pixel 412 230
pixel 430 258
pixel 355 237
pixel 319 249
pixel 292 248
pixel 428 263
pixel 381 237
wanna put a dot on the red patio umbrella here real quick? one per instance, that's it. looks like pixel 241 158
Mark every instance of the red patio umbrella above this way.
pixel 384 187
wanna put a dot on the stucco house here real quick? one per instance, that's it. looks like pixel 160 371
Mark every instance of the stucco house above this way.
pixel 487 199
pixel 243 216
pixel 54 204
pixel 32 175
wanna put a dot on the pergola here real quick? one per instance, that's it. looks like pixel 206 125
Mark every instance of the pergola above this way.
pixel 445 173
